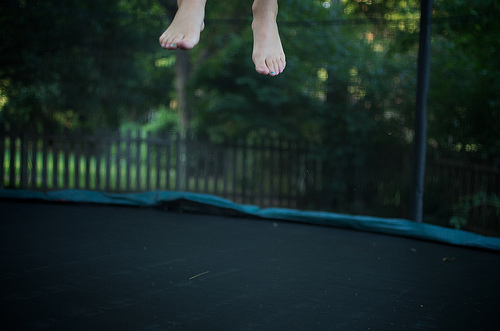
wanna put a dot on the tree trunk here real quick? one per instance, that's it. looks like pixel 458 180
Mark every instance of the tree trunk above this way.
pixel 182 69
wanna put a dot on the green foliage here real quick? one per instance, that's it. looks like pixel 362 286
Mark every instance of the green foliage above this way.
pixel 348 87
pixel 161 119
pixel 235 101
pixel 464 105
pixel 467 203
pixel 324 52
pixel 52 66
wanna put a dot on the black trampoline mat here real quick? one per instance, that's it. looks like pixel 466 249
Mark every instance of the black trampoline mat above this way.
pixel 90 267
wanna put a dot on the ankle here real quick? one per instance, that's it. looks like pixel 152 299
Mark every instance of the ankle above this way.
pixel 191 3
pixel 265 10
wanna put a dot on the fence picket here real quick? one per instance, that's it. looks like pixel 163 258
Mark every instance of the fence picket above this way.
pixel 157 159
pixel 99 152
pixel 12 157
pixel 138 163
pixel 206 176
pixel 262 161
pixel 196 152
pixel 234 170
pixel 2 155
pixel 148 161
pixel 107 172
pixel 128 145
pixel 66 169
pixel 44 161
pixel 34 161
pixel 225 169
pixel 24 160
pixel 55 163
pixel 86 153
pixel 216 158
pixel 179 174
pixel 118 163
pixel 184 159
pixel 77 152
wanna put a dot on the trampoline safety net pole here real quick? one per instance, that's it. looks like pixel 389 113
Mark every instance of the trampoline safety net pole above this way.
pixel 423 69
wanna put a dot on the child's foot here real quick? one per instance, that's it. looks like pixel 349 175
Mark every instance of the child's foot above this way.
pixel 268 55
pixel 184 31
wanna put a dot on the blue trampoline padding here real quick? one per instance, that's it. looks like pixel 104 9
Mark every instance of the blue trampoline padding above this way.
pixel 400 227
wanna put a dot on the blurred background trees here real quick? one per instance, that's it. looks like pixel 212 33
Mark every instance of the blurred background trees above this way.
pixel 79 63
pixel 348 89
pixel 464 105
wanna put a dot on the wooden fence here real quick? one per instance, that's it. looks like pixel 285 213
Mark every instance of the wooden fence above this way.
pixel 466 190
pixel 266 172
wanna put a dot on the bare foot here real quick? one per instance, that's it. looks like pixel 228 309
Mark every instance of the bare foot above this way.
pixel 268 55
pixel 184 31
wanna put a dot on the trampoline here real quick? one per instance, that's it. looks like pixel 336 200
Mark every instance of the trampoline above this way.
pixel 79 265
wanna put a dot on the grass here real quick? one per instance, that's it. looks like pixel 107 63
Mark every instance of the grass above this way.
pixel 92 172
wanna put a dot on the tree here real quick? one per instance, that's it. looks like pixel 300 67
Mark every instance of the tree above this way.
pixel 234 101
pixel 348 87
pixel 54 73
pixel 464 105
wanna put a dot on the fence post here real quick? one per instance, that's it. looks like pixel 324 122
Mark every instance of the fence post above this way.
pixel 128 147
pixel 271 174
pixel 66 151
pixel 24 160
pixel 216 156
pixel 138 163
pixel 87 154
pixel 45 143
pixel 118 160
pixel 158 149
pixel 148 161
pixel 77 156
pixel 262 159
pixel 12 159
pixel 225 168
pixel 185 157
pixel 180 162
pixel 2 155
pixel 34 161
pixel 108 139
pixel 100 181
pixel 235 167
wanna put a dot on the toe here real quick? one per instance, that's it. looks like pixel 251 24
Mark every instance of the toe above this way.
pixel 260 66
pixel 277 66
pixel 189 41
pixel 172 43
pixel 281 65
pixel 262 70
pixel 186 44
pixel 163 41
pixel 273 68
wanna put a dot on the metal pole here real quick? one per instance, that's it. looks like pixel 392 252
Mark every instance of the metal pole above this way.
pixel 424 52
